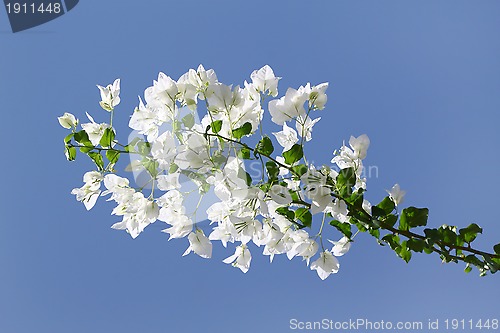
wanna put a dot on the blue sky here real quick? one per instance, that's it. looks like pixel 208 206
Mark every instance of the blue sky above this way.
pixel 421 78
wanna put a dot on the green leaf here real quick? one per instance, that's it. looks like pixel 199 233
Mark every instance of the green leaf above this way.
pixel 467 269
pixel 432 236
pixel 83 138
pixel 284 211
pixel 356 199
pixel 305 216
pixel 392 240
pixel 412 217
pixel 293 155
pixel 216 126
pixel 68 137
pixel 299 169
pixel 389 220
pixel 264 147
pixel 469 233
pixel 97 158
pixel 244 153
pixel 493 266
pixel 416 245
pixel 70 153
pixel 384 208
pixel 188 120
pixel 496 248
pixel 107 138
pixel 363 227
pixel 248 179
pixel 272 170
pixel 143 148
pixel 112 156
pixel 242 131
pixel 345 181
pixel 85 150
pixel 404 252
pixel 375 233
pixel 448 234
pixel 173 168
pixel 151 166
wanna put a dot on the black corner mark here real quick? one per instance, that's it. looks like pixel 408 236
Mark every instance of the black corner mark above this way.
pixel 26 14
pixel 70 4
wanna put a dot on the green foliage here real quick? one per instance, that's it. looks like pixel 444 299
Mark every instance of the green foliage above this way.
pixel 404 252
pixel 151 166
pixel 244 153
pixel 82 138
pixel 384 208
pixel 112 156
pixel 216 126
pixel 496 248
pixel 412 217
pixel 264 147
pixel 470 233
pixel 346 179
pixel 286 212
pixel 299 169
pixel 143 148
pixel 107 138
pixel 272 171
pixel 305 216
pixel 98 161
pixel 242 131
pixel 344 228
pixel 67 138
pixel 416 245
pixel 294 154
pixel 70 153
pixel 188 120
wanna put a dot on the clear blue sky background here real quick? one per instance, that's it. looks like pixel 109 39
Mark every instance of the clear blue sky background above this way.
pixel 421 78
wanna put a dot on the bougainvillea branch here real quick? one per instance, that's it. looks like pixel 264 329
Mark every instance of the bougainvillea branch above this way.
pixel 283 204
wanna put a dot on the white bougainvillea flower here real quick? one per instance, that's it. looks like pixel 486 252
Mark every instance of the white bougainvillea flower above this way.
pixel 181 226
pixel 67 120
pixel 287 137
pixel 304 127
pixel 265 81
pixel 118 187
pixel 280 194
pixel 145 120
pixel 240 259
pixel 317 96
pixel 199 244
pixel 138 212
pixel 396 194
pixel 360 145
pixel 302 245
pixel 90 191
pixel 110 95
pixel 164 92
pixel 247 228
pixel 225 232
pixel 289 106
pixel 325 265
pixel 192 85
pixel 168 182
pixel 94 130
pixel 338 210
pixel 164 149
pixel 341 247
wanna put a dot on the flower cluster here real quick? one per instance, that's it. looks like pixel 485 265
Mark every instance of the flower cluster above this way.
pixel 283 210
